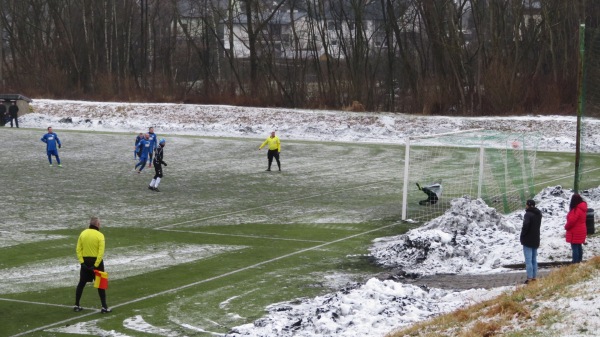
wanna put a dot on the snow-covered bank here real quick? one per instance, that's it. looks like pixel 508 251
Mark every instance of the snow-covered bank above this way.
pixel 473 238
pixel 557 133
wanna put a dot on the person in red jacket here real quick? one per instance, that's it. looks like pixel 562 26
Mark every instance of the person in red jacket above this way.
pixel 575 226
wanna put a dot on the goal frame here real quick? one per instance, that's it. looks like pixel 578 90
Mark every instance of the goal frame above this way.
pixel 481 141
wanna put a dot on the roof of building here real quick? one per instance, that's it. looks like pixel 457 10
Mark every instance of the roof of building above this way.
pixel 15 97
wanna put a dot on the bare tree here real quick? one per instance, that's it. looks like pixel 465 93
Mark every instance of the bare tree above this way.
pixel 433 56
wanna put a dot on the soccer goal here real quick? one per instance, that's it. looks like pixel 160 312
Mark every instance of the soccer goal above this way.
pixel 494 166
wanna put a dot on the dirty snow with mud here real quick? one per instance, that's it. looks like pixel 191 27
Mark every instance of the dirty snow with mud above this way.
pixel 469 238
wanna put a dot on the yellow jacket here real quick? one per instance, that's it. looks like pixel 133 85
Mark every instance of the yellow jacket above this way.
pixel 90 244
pixel 274 143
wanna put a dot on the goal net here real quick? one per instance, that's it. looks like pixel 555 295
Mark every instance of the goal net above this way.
pixel 494 166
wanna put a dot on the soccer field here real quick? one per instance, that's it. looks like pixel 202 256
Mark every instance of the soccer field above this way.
pixel 222 240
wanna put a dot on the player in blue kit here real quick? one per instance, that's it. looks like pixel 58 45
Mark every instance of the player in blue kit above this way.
pixel 144 147
pixel 136 153
pixel 52 145
pixel 153 144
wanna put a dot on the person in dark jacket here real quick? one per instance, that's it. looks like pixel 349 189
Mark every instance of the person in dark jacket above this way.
pixel 3 115
pixel 158 163
pixel 530 238
pixel 13 112
pixel 575 226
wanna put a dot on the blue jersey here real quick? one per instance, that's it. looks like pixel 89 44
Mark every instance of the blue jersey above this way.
pixel 51 140
pixel 152 139
pixel 144 146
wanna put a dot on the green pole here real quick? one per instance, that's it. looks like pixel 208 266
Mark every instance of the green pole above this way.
pixel 579 106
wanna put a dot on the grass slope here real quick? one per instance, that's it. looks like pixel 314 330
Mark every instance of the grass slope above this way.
pixel 543 308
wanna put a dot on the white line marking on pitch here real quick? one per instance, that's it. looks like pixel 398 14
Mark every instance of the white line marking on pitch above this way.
pixel 243 236
pixel 33 302
pixel 565 176
pixel 270 205
pixel 164 292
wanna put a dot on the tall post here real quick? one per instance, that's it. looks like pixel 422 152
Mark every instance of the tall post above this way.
pixel 579 106
pixel 1 58
pixel 481 170
pixel 406 173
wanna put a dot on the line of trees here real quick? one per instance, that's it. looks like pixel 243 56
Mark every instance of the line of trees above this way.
pixel 469 57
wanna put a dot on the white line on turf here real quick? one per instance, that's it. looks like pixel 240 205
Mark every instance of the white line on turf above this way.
pixel 274 204
pixel 243 236
pixel 173 290
pixel 33 302
pixel 545 183
pixel 565 177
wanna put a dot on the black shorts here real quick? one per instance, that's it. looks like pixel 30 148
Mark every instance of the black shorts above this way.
pixel 87 274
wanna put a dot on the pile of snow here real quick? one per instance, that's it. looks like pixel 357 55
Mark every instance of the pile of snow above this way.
pixel 464 239
pixel 472 238
pixel 374 309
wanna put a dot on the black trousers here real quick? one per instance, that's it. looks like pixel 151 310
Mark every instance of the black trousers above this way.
pixel 273 154
pixel 87 275
pixel 157 170
pixel 16 121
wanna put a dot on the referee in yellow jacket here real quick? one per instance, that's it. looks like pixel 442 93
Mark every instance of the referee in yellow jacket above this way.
pixel 274 149
pixel 90 250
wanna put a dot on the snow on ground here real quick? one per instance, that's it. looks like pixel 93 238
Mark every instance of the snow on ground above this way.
pixel 372 309
pixel 124 262
pixel 10 238
pixel 469 238
pixel 232 121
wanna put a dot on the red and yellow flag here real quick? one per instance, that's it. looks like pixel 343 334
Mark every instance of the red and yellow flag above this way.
pixel 101 280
